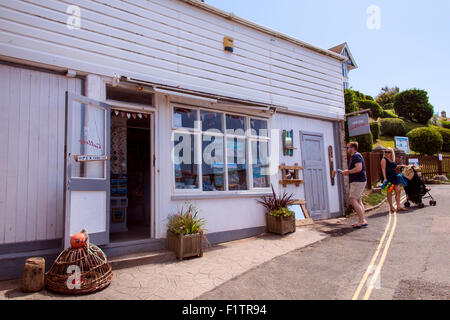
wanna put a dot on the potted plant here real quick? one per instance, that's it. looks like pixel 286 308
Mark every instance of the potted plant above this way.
pixel 185 233
pixel 279 218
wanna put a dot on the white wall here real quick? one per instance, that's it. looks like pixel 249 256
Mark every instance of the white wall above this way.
pixel 290 122
pixel 32 116
pixel 173 43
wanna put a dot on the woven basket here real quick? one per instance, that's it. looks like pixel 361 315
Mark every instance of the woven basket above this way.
pixel 95 271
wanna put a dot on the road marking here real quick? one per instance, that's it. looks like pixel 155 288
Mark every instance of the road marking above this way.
pixel 383 258
pixel 372 262
pixel 374 258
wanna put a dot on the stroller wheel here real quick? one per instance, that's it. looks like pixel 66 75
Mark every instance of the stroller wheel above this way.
pixel 433 203
pixel 421 205
pixel 407 204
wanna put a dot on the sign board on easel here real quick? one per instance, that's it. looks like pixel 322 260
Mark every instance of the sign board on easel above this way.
pixel 301 213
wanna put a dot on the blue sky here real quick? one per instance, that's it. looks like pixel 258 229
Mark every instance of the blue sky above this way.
pixel 410 50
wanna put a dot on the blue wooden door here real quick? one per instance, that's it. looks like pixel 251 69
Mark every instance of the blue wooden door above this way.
pixel 314 175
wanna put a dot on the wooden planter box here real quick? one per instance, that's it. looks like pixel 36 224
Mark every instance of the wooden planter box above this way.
pixel 185 246
pixel 280 225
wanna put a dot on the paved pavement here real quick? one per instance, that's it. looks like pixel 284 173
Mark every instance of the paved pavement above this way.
pixel 325 261
pixel 416 266
pixel 167 278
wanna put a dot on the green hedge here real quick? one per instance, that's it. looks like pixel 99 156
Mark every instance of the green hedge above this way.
pixel 365 143
pixel 351 104
pixel 392 127
pixel 445 133
pixel 445 124
pixel 375 128
pixel 425 140
pixel 389 114
pixel 376 110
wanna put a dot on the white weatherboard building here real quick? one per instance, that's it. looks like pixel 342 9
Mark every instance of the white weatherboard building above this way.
pixel 96 95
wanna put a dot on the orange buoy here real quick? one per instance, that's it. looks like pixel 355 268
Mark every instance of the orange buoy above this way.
pixel 79 240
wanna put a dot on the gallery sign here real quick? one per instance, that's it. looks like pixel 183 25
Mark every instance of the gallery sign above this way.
pixel 90 158
pixel 358 125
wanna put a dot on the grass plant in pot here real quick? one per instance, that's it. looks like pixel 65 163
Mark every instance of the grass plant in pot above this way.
pixel 185 232
pixel 279 218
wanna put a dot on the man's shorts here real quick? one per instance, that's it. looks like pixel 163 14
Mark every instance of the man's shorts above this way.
pixel 357 189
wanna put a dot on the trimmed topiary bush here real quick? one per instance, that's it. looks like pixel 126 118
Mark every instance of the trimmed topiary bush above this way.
pixel 445 124
pixel 365 142
pixel 413 105
pixel 389 114
pixel 362 96
pixel 425 140
pixel 392 127
pixel 375 128
pixel 445 133
pixel 376 110
pixel 388 106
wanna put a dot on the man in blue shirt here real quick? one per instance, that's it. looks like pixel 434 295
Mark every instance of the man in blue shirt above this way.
pixel 358 181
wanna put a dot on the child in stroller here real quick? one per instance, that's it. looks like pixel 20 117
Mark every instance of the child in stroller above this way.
pixel 416 190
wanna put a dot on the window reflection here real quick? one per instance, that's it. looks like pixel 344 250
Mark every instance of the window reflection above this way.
pixel 186 171
pixel 260 163
pixel 237 168
pixel 213 168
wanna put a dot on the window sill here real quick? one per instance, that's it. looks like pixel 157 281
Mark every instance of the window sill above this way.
pixel 220 195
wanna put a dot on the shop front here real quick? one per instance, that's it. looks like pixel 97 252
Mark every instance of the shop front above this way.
pixel 114 126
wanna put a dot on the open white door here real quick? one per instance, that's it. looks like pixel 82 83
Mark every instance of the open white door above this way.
pixel 87 154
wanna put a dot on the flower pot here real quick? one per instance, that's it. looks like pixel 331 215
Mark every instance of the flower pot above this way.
pixel 280 225
pixel 185 246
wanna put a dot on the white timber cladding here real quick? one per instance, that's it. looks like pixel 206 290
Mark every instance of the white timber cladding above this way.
pixel 32 120
pixel 173 43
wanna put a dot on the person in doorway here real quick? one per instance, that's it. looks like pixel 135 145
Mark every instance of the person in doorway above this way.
pixel 389 171
pixel 358 181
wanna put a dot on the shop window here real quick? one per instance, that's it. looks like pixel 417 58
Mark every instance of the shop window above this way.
pixel 260 163
pixel 237 164
pixel 211 121
pixel 186 170
pixel 184 118
pixel 235 125
pixel 259 127
pixel 219 137
pixel 213 165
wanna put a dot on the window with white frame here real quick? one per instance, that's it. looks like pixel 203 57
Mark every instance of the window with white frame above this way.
pixel 219 151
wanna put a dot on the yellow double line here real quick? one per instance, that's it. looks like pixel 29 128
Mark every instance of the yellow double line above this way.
pixel 378 268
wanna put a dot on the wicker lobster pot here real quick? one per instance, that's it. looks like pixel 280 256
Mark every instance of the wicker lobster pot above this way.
pixel 280 225
pixel 95 271
pixel 185 246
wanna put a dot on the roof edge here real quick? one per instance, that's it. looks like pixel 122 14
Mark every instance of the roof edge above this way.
pixel 253 25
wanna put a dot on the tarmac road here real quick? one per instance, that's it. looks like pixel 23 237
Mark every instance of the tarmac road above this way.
pixel 416 261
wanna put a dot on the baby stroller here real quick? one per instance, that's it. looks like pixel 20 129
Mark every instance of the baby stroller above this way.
pixel 416 190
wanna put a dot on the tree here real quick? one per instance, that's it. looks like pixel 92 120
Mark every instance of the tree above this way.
pixel 413 105
pixel 386 97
